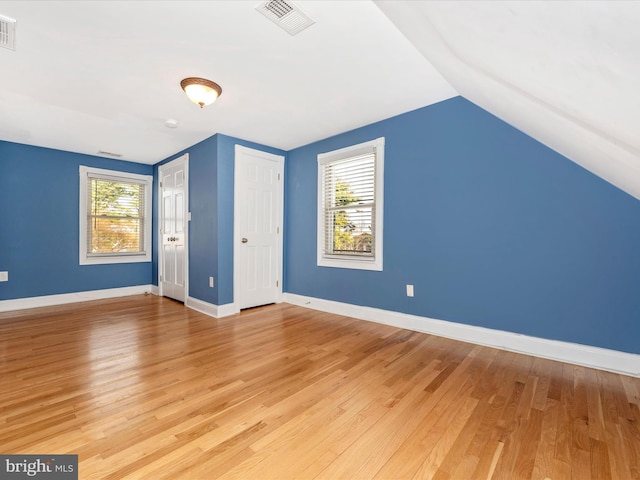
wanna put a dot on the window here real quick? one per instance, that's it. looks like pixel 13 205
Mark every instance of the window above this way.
pixel 350 206
pixel 115 216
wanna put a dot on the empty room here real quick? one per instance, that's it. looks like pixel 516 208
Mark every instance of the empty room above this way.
pixel 320 240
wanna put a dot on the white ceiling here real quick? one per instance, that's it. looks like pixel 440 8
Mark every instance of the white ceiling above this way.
pixel 565 72
pixel 104 75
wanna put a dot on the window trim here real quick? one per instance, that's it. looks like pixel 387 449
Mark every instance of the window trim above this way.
pixel 118 176
pixel 345 261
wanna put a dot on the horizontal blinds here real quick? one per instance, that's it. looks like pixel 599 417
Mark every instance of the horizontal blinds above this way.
pixel 115 216
pixel 349 205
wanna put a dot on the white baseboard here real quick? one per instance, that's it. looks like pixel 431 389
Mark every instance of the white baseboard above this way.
pixel 50 300
pixel 210 309
pixel 227 309
pixel 584 355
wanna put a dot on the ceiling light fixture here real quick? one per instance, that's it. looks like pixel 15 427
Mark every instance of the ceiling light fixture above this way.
pixel 200 90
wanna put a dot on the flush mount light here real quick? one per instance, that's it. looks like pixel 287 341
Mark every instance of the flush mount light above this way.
pixel 200 90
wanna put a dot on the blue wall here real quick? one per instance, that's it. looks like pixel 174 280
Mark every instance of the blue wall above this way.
pixel 39 232
pixel 491 227
pixel 211 177
pixel 226 163
pixel 203 237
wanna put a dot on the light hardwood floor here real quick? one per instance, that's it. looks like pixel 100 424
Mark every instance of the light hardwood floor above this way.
pixel 144 388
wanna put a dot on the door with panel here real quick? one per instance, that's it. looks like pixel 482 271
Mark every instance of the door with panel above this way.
pixel 173 228
pixel 258 194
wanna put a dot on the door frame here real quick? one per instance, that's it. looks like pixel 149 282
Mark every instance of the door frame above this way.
pixel 187 215
pixel 279 159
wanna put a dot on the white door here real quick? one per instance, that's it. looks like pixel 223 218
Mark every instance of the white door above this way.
pixel 258 219
pixel 173 228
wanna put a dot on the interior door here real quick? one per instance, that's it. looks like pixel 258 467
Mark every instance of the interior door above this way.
pixel 173 229
pixel 258 216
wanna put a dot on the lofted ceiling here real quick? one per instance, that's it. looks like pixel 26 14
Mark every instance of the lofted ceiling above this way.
pixel 567 73
pixel 88 76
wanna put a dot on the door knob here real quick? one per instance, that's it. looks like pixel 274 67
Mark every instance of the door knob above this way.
pixel 244 240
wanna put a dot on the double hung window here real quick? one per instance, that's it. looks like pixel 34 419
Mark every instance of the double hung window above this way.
pixel 350 206
pixel 115 216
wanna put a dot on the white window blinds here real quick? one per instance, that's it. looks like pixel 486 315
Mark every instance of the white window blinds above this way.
pixel 115 216
pixel 349 206
pixel 350 183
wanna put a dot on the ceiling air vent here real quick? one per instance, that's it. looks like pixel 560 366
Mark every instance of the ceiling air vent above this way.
pixel 110 154
pixel 287 15
pixel 7 33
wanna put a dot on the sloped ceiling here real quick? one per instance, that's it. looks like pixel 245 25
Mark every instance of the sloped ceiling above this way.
pixel 565 73
pixel 104 75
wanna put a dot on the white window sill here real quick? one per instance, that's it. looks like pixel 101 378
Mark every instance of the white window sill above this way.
pixel 356 264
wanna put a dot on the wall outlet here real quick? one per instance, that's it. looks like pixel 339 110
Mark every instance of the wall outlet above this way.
pixel 4 276
pixel 409 290
pixel 210 282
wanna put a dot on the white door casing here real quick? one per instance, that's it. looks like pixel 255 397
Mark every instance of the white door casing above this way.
pixel 258 218
pixel 173 207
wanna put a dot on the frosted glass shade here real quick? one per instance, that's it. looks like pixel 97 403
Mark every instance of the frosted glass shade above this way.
pixel 200 90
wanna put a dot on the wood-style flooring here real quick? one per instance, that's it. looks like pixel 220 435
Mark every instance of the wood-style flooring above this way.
pixel 143 388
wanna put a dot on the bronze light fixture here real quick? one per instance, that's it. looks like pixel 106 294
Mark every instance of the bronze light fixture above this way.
pixel 200 90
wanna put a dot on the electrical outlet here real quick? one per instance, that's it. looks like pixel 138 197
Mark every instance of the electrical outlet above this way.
pixel 210 282
pixel 409 290
pixel 4 276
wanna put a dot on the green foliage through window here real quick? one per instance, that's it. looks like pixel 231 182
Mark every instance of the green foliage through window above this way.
pixel 349 206
pixel 116 217
pixel 351 227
